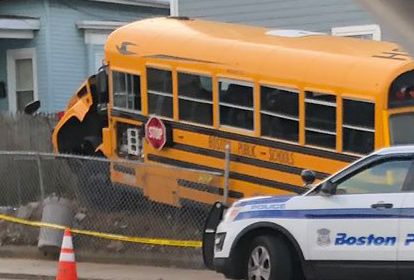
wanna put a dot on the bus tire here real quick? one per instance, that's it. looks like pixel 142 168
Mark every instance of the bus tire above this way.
pixel 268 258
pixel 96 189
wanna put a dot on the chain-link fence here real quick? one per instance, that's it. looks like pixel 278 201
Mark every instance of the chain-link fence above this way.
pixel 122 198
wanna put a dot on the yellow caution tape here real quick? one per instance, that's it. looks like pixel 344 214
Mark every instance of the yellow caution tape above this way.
pixel 166 242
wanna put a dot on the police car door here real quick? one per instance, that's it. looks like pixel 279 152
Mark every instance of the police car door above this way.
pixel 405 253
pixel 358 225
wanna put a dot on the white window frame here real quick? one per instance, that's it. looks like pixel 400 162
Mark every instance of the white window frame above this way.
pixel 12 56
pixel 355 30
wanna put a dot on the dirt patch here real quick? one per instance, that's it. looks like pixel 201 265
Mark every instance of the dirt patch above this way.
pixel 150 220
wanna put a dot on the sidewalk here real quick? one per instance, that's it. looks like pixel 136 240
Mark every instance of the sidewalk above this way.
pixel 38 269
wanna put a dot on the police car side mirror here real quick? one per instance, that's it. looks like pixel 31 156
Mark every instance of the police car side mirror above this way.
pixel 328 188
pixel 308 177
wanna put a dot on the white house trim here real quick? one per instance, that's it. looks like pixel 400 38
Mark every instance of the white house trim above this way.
pixel 355 30
pixel 97 32
pixel 16 34
pixel 146 3
pixel 12 56
pixel 94 38
pixel 18 28
pixel 174 8
pixel 99 25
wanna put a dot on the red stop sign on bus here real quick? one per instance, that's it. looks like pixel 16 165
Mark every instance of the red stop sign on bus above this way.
pixel 155 133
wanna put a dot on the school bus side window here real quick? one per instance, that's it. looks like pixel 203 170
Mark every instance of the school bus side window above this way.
pixel 160 94
pixel 279 113
pixel 195 97
pixel 126 91
pixel 358 126
pixel 236 104
pixel 320 119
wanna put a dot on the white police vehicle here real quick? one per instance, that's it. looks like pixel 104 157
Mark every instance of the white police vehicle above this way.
pixel 357 224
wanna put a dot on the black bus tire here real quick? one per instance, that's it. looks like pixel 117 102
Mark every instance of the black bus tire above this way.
pixel 96 189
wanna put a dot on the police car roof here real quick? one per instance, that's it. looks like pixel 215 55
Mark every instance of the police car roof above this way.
pixel 404 149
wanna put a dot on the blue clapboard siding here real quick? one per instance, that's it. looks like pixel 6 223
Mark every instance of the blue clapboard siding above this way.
pixel 33 8
pixel 69 53
pixel 312 15
pixel 63 59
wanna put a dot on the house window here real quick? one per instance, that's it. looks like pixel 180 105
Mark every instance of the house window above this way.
pixel 160 94
pixel 195 97
pixel 127 91
pixel 280 113
pixel 320 119
pixel 370 32
pixel 22 78
pixel 236 104
pixel 358 129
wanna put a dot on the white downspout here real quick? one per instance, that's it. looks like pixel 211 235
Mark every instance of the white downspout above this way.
pixel 174 8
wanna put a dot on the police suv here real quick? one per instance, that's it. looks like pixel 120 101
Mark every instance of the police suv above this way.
pixel 356 224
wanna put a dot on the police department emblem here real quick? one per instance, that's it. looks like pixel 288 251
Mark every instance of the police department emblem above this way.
pixel 324 238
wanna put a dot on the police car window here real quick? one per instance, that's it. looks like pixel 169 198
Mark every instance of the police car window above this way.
pixel 385 177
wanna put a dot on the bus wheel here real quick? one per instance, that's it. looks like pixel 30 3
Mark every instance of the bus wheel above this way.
pixel 96 189
pixel 268 258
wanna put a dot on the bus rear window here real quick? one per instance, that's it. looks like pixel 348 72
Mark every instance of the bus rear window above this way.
pixel 401 126
pixel 401 93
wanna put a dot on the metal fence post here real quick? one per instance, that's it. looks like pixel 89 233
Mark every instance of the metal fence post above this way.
pixel 226 175
pixel 41 184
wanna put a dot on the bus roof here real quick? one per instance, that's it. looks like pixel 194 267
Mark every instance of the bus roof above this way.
pixel 311 61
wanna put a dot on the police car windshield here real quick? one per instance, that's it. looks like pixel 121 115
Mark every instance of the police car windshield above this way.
pixel 401 126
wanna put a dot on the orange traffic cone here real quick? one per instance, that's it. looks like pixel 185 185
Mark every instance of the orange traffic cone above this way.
pixel 67 264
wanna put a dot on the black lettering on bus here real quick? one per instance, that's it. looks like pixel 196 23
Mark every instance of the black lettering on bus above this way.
pixel 246 149
pixel 395 54
pixel 217 143
pixel 280 156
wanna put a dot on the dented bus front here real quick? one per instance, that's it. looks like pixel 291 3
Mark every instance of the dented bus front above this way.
pixel 82 127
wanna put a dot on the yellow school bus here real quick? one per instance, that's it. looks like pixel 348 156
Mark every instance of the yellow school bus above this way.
pixel 177 91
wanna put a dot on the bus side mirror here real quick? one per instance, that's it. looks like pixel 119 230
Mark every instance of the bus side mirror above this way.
pixel 102 86
pixel 32 107
pixel 328 188
pixel 308 177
